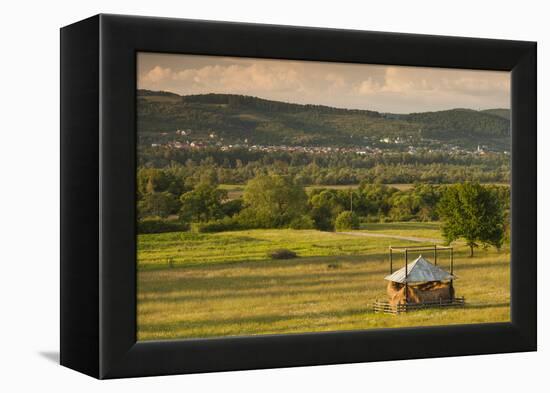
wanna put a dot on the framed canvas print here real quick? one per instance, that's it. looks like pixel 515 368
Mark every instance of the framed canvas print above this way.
pixel 240 196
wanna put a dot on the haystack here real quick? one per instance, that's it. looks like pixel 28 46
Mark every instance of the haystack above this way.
pixel 422 293
pixel 420 282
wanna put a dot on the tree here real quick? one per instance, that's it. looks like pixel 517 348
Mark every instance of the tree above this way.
pixel 346 220
pixel 473 212
pixel 404 206
pixel 152 180
pixel 428 196
pixel 374 199
pixel 325 207
pixel 204 203
pixel 273 201
pixel 160 204
pixel 232 207
pixel 302 222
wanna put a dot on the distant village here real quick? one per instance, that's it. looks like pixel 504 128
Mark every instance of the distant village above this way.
pixel 182 140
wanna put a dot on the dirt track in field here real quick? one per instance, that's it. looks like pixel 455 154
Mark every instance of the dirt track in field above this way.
pixel 398 237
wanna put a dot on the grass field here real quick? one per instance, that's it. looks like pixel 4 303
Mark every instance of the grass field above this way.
pixel 206 285
pixel 429 230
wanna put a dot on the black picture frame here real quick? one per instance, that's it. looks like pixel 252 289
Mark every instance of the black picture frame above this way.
pixel 98 164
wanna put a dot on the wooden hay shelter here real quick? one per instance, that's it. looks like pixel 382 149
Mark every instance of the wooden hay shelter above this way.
pixel 420 283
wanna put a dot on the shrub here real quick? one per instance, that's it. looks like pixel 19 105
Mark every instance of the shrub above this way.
pixel 224 224
pixel 324 223
pixel 232 207
pixel 373 218
pixel 158 225
pixel 346 220
pixel 248 218
pixel 302 222
pixel 282 253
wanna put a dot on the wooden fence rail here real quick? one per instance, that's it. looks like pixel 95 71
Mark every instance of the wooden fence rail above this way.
pixel 383 306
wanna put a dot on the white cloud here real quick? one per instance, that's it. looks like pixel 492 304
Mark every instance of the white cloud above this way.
pixel 230 78
pixel 157 74
pixel 383 88
pixel 368 87
pixel 422 80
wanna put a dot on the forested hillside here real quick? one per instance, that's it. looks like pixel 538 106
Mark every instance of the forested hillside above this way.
pixel 234 119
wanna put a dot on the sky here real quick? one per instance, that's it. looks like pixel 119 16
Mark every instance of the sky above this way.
pixel 382 88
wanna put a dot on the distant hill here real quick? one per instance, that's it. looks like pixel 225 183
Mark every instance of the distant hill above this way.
pixel 461 123
pixel 500 112
pixel 236 118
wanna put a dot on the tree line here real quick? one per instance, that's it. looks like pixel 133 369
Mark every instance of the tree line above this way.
pixel 470 210
pixel 240 165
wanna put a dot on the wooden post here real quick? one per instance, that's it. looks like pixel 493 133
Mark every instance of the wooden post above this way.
pixel 452 291
pixel 406 263
pixel 391 261
pixel 435 254
pixel 406 275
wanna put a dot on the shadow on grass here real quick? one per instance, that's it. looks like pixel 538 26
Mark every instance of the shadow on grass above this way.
pixel 256 320
pixel 236 295
pixel 263 263
pixel 485 305
pixel 257 281
pixel 269 320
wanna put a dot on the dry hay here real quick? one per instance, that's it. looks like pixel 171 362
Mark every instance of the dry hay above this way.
pixel 426 292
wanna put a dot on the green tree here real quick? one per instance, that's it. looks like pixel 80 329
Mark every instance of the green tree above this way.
pixel 204 203
pixel 346 220
pixel 152 180
pixel 473 212
pixel 374 199
pixel 273 201
pixel 232 207
pixel 302 222
pixel 428 196
pixel 160 204
pixel 404 206
pixel 325 206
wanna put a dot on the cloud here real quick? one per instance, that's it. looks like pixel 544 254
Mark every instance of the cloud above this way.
pixel 383 88
pixel 157 74
pixel 227 78
pixel 368 87
pixel 404 80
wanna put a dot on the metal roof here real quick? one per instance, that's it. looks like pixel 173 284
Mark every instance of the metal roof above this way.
pixel 419 270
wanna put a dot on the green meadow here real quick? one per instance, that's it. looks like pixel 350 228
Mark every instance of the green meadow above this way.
pixel 198 285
